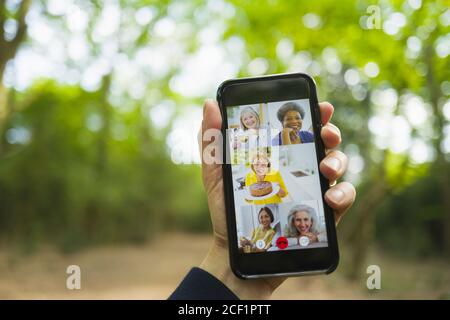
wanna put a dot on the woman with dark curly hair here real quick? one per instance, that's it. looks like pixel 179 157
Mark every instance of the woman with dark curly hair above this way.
pixel 291 116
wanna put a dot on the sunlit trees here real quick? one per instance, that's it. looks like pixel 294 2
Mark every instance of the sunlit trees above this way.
pixel 128 79
pixel 389 86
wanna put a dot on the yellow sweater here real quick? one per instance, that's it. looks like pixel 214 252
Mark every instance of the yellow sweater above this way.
pixel 272 176
pixel 260 234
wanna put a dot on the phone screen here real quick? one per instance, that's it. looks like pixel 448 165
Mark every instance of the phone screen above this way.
pixel 275 177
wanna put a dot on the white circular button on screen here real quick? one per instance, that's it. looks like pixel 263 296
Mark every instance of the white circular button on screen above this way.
pixel 260 244
pixel 304 241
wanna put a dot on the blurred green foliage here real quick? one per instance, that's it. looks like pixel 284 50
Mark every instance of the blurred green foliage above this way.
pixel 96 169
pixel 73 186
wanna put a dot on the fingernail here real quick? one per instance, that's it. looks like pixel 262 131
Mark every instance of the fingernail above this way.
pixel 332 163
pixel 333 128
pixel 335 195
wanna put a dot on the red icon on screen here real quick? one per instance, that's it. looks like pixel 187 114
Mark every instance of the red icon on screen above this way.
pixel 282 243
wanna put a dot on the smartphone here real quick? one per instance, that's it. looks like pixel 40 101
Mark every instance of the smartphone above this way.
pixel 277 220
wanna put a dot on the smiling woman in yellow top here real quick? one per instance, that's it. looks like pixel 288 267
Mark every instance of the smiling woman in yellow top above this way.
pixel 261 171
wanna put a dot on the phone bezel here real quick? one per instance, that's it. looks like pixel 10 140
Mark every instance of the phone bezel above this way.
pixel 278 263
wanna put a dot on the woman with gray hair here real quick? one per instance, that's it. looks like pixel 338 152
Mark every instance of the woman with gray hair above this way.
pixel 291 116
pixel 303 222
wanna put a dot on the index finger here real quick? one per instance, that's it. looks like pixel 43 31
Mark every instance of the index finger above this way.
pixel 326 111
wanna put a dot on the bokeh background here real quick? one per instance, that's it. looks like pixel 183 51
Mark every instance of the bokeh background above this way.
pixel 100 103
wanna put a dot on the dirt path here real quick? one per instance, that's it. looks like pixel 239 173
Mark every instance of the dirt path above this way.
pixel 149 272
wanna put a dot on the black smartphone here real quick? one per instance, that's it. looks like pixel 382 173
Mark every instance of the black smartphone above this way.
pixel 277 220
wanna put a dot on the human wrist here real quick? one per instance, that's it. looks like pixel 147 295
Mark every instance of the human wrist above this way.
pixel 217 264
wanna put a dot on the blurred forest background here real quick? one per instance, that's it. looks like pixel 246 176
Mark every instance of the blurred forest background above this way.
pixel 100 103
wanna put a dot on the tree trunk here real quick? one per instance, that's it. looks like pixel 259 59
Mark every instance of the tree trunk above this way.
pixel 362 231
pixel 441 163
pixel 8 50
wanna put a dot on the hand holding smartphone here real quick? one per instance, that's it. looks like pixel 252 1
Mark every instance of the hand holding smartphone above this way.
pixel 278 224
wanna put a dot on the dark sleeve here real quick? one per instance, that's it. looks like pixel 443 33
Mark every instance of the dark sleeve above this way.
pixel 201 285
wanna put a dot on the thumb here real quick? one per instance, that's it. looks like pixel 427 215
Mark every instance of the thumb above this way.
pixel 210 143
pixel 212 119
